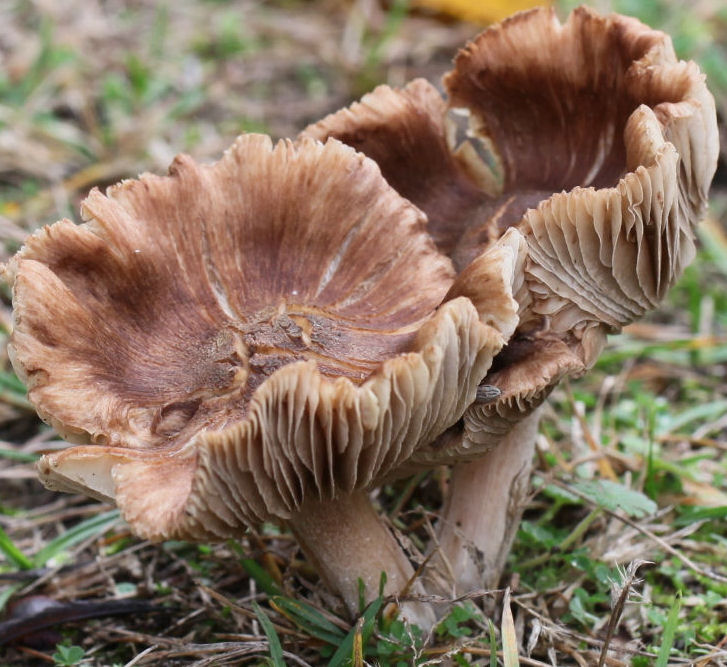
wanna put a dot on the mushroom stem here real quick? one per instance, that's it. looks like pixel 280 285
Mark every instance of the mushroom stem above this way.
pixel 482 514
pixel 345 540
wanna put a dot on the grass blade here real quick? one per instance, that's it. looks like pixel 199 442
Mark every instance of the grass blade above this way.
pixel 308 619
pixel 15 455
pixel 10 381
pixel 509 639
pixel 12 553
pixel 690 515
pixel 493 644
pixel 276 649
pixel 95 525
pixel 667 641
pixel 259 574
pixel 358 644
pixel 363 629
pixel 8 592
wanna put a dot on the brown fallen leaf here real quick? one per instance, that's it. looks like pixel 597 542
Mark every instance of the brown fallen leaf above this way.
pixel 30 615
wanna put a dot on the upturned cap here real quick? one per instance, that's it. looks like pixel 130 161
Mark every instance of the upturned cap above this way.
pixel 230 340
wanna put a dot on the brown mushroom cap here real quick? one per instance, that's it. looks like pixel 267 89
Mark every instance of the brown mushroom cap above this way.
pixel 598 145
pixel 237 338
pixel 553 101
pixel 599 257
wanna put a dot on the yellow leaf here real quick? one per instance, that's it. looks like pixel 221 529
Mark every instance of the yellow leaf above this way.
pixel 479 11
pixel 702 494
pixel 357 658
pixel 10 209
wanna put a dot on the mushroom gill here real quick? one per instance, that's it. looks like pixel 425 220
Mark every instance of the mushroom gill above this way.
pixel 244 341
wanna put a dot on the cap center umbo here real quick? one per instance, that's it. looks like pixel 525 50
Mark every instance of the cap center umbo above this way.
pixel 340 346
pixel 241 357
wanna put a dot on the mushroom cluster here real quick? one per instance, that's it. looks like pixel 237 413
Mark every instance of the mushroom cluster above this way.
pixel 272 336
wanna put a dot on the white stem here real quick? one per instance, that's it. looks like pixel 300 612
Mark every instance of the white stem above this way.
pixel 345 540
pixel 482 513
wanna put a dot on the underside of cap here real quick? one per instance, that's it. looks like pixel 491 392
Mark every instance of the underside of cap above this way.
pixel 553 99
pixel 598 257
pixel 567 211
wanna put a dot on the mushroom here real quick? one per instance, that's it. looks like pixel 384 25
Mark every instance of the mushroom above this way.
pixel 593 141
pixel 264 338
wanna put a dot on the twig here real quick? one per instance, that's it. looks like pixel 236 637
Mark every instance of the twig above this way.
pixel 617 610
pixel 472 650
pixel 561 630
pixel 141 655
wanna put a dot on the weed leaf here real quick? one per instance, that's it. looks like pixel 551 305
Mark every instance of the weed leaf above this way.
pixel 613 496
